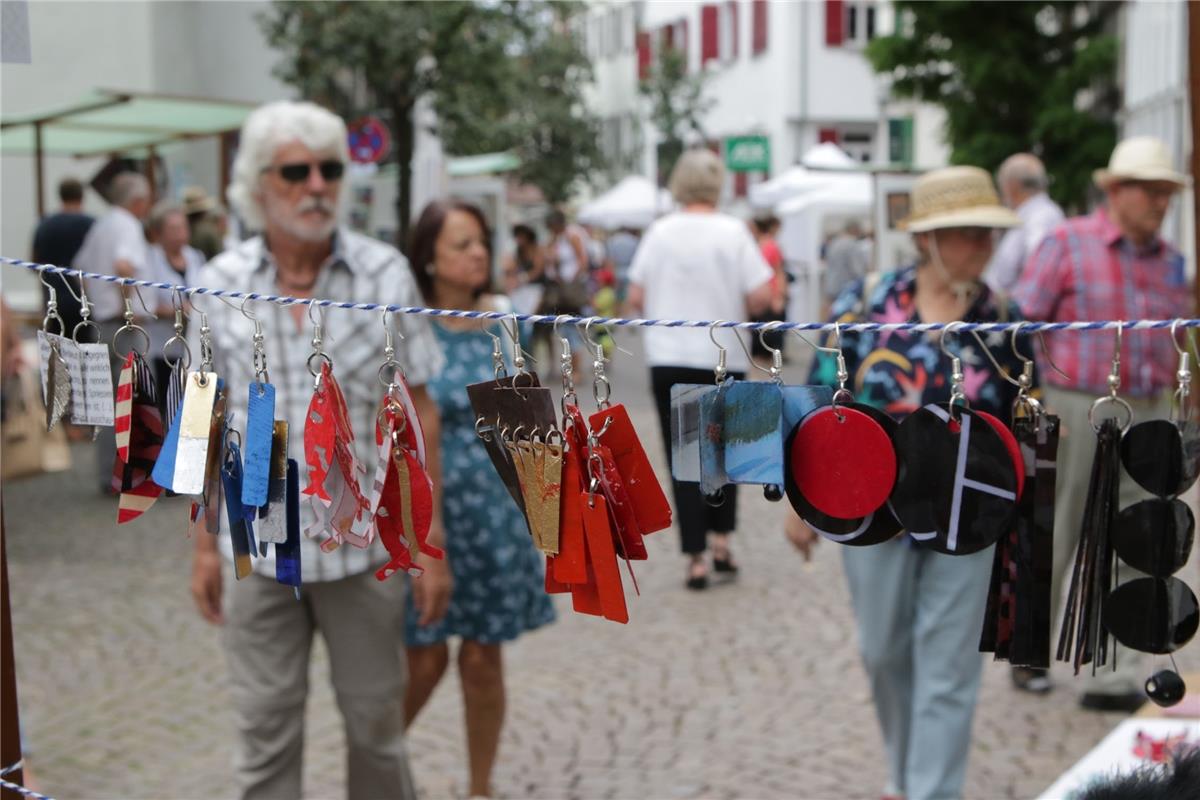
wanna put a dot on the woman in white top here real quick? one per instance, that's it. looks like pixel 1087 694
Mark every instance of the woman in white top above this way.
pixel 697 263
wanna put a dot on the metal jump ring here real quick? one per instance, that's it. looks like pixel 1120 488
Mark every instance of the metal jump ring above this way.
pixel 1116 401
pixel 87 323
pixel 131 329
pixel 321 359
pixel 185 357
pixel 390 365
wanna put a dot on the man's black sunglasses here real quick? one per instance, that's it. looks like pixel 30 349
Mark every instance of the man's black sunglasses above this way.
pixel 297 173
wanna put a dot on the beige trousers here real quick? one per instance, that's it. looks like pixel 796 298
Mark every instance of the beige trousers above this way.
pixel 1076 449
pixel 268 637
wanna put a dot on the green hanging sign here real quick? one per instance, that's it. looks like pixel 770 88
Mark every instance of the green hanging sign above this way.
pixel 748 154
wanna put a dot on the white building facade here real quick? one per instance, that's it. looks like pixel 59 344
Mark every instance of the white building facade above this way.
pixel 791 74
pixel 1154 80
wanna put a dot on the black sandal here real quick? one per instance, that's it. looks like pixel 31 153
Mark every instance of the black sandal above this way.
pixel 696 582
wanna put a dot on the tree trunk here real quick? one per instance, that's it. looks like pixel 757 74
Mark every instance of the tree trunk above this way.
pixel 405 138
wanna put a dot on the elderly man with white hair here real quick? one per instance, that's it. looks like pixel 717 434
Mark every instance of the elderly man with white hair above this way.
pixel 287 183
pixel 115 245
pixel 1022 181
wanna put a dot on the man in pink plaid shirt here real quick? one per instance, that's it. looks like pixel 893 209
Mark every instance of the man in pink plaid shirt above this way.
pixel 1109 265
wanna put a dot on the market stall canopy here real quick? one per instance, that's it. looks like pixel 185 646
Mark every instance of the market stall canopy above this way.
pixel 814 171
pixel 108 122
pixel 635 202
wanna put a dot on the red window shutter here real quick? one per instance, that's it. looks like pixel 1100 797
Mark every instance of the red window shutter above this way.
pixel 835 16
pixel 828 135
pixel 740 184
pixel 760 12
pixel 710 35
pixel 733 32
pixel 667 33
pixel 644 55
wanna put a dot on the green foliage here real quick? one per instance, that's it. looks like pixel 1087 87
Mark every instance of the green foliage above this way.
pixel 530 102
pixel 677 105
pixel 1012 77
pixel 502 75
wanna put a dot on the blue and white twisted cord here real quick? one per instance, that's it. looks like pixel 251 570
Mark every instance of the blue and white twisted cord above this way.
pixel 11 768
pixel 565 319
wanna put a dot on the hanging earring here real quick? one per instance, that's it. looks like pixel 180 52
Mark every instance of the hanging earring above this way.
pixel 93 404
pixel 1083 638
pixel 1158 614
pixel 139 426
pixel 1017 617
pixel 333 468
pixel 840 465
pixel 57 391
pixel 956 477
pixel 404 511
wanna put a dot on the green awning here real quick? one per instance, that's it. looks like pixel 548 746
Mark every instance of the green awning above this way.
pixel 486 164
pixel 106 121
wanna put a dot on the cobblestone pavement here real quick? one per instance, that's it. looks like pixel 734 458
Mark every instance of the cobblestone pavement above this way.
pixel 750 690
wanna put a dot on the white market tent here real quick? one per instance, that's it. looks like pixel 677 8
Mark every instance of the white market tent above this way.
pixel 816 167
pixel 804 218
pixel 635 202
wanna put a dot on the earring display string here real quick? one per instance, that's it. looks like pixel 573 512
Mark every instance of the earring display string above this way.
pixel 620 322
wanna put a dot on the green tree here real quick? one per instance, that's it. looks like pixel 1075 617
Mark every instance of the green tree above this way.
pixel 383 58
pixel 677 106
pixel 1012 77
pixel 531 104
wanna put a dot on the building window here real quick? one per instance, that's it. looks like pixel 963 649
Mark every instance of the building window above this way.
pixel 860 23
pixel 729 31
pixel 758 43
pixel 858 145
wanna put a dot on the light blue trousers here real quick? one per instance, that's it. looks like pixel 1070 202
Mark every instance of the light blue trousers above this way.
pixel 919 616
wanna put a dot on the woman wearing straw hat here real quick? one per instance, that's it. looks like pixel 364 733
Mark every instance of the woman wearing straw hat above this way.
pixel 920 612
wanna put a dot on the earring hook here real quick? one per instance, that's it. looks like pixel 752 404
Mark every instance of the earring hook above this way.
pixel 1183 375
pixel 957 378
pixel 843 374
pixel 721 370
pixel 51 308
pixel 390 366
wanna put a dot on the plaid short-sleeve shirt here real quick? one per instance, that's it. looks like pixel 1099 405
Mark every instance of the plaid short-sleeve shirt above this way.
pixel 1086 270
pixel 360 269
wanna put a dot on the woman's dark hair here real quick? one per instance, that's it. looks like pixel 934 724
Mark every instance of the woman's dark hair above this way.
pixel 766 223
pixel 422 242
pixel 529 233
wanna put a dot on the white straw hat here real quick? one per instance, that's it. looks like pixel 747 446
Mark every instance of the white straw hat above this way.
pixel 957 197
pixel 1140 158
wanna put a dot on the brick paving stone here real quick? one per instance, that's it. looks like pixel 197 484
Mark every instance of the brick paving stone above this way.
pixel 750 690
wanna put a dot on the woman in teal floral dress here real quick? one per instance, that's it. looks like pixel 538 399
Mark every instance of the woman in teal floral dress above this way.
pixel 498 575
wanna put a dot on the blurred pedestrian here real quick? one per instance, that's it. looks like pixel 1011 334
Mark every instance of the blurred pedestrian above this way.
pixel 765 229
pixel 286 183
pixel 526 263
pixel 567 266
pixel 1022 179
pixel 116 245
pixel 1112 264
pixel 170 260
pixel 498 579
pixel 56 241
pixel 620 249
pixel 844 261
pixel 697 263
pixel 919 612
pixel 205 232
